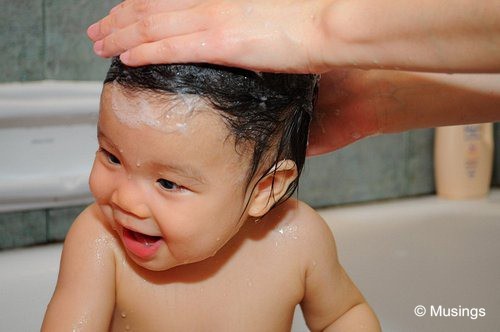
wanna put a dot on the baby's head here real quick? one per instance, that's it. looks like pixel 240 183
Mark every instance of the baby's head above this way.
pixel 188 153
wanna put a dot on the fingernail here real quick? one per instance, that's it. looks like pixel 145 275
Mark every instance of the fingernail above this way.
pixel 98 46
pixel 93 31
pixel 125 57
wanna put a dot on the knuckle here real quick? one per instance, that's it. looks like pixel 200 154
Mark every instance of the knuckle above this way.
pixel 146 26
pixel 108 24
pixel 166 49
pixel 113 44
pixel 141 6
pixel 111 23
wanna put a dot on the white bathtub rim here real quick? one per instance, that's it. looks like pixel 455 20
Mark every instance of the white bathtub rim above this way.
pixel 49 98
pixel 29 111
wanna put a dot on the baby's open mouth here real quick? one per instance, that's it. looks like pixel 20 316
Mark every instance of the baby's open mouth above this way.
pixel 145 239
pixel 141 245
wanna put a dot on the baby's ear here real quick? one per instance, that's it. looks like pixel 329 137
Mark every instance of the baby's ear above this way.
pixel 267 193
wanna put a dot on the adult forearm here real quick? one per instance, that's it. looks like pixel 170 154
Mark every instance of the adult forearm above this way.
pixel 427 35
pixel 405 100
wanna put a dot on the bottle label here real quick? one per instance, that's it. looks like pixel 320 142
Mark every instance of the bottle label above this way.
pixel 472 135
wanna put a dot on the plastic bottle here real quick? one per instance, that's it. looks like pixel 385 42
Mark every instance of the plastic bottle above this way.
pixel 463 160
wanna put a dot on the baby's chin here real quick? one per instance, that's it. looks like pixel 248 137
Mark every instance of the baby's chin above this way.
pixel 164 261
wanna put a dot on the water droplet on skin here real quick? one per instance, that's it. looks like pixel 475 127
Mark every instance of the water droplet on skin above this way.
pixel 80 326
pixel 218 239
pixel 203 44
pixel 127 328
pixel 288 231
pixel 314 263
pixel 138 164
pixel 123 314
pixel 336 112
pixel 356 135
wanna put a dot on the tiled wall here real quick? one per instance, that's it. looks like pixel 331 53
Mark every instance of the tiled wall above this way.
pixel 45 39
pixel 381 167
pixel 26 228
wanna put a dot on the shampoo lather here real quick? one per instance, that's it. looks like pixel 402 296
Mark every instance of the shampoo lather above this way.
pixel 463 160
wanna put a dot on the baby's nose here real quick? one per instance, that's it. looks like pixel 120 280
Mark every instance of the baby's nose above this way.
pixel 129 197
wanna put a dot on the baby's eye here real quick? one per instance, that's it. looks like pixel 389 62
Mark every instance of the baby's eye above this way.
pixel 111 157
pixel 168 185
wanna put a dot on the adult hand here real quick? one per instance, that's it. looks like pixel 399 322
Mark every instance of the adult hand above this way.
pixel 353 104
pixel 305 35
pixel 280 35
pixel 345 112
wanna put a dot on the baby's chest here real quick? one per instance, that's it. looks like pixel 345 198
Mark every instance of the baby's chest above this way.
pixel 225 302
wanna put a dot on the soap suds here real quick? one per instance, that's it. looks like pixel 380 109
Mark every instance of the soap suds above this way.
pixel 145 110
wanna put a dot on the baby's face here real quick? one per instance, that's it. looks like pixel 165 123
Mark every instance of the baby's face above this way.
pixel 173 196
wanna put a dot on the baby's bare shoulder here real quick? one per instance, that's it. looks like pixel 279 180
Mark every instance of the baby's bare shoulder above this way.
pixel 86 273
pixel 91 229
pixel 302 229
pixel 304 220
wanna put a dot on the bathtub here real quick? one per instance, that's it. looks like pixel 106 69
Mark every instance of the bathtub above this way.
pixel 402 254
pixel 47 143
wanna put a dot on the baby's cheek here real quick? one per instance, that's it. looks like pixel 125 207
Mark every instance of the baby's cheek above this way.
pixel 98 182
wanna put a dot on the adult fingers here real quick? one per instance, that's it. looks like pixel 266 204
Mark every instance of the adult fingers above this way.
pixel 184 48
pixel 131 11
pixel 150 29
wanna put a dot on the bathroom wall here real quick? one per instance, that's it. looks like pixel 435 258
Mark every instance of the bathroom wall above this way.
pixel 45 39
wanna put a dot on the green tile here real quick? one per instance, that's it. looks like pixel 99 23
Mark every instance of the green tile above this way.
pixel 420 162
pixel 21 40
pixel 24 228
pixel 373 168
pixel 59 221
pixel 68 52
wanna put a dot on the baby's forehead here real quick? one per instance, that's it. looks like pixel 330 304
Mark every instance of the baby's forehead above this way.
pixel 159 110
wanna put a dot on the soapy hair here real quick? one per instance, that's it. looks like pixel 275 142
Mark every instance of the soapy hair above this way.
pixel 268 113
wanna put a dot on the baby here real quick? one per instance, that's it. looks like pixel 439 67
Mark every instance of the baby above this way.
pixel 192 228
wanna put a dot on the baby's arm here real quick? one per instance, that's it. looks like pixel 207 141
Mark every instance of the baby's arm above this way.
pixel 85 293
pixel 332 302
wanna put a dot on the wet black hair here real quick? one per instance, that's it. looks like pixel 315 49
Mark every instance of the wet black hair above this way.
pixel 270 111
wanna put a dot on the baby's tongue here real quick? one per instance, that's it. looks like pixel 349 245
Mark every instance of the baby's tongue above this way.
pixel 146 240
